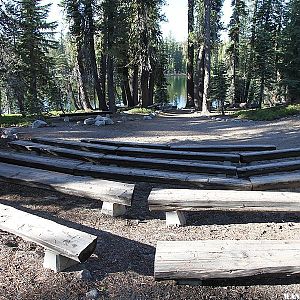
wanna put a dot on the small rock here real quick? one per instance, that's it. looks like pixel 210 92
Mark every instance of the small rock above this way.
pixel 9 133
pixel 66 119
pixel 147 118
pixel 89 121
pixel 92 294
pixel 78 123
pixel 219 119
pixel 153 114
pixel 100 123
pixel 84 275
pixel 99 118
pixel 108 121
pixel 39 124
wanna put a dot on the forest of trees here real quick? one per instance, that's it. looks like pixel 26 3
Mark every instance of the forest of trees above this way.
pixel 114 53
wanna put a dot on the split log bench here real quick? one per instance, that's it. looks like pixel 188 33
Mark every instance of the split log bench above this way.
pixel 64 246
pixel 189 147
pixel 116 196
pixel 75 167
pixel 195 261
pixel 176 201
pixel 140 162
pixel 141 152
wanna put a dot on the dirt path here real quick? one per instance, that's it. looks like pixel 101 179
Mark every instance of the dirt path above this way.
pixel 122 266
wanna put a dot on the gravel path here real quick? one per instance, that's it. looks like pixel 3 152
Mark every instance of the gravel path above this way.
pixel 122 265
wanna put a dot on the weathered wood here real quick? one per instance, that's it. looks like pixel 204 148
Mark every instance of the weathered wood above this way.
pixel 222 148
pixel 118 173
pixel 190 147
pixel 102 190
pixel 260 169
pixel 140 152
pixel 152 163
pixel 219 259
pixel 268 155
pixel 194 200
pixel 288 180
pixel 68 242
pixel 126 144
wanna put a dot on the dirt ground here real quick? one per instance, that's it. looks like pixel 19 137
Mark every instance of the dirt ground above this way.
pixel 122 265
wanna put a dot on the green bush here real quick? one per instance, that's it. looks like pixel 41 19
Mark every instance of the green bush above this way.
pixel 268 114
pixel 139 110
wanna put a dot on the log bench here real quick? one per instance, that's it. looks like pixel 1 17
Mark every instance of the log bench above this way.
pixel 116 196
pixel 188 147
pixel 127 161
pixel 195 261
pixel 75 167
pixel 176 201
pixel 141 152
pixel 64 246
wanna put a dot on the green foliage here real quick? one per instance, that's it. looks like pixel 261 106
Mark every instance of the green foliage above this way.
pixel 269 114
pixel 15 120
pixel 140 111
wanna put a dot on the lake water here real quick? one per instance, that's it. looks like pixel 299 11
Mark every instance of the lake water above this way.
pixel 177 90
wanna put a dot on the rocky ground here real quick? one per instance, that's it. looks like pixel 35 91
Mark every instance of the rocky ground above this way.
pixel 122 265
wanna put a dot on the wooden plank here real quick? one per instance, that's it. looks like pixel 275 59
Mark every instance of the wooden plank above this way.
pixel 140 152
pixel 118 173
pixel 188 147
pixel 102 190
pixel 194 200
pixel 260 169
pixel 126 144
pixel 87 114
pixel 222 148
pixel 219 259
pixel 288 180
pixel 268 155
pixel 152 163
pixel 66 241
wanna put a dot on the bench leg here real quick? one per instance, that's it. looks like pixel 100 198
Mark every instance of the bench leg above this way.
pixel 113 209
pixel 57 262
pixel 175 218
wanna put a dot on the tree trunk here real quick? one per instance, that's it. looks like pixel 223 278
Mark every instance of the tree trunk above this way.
pixel 83 81
pixel 199 78
pixel 190 55
pixel 261 91
pixel 207 50
pixel 93 62
pixel 145 86
pixel 151 88
pixel 135 86
pixel 126 87
pixel 111 85
pixel 251 58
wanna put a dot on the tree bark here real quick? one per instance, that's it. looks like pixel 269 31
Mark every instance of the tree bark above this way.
pixel 135 85
pixel 111 85
pixel 190 53
pixel 145 86
pixel 199 78
pixel 126 86
pixel 207 54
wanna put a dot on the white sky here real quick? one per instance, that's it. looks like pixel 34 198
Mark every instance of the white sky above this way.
pixel 175 11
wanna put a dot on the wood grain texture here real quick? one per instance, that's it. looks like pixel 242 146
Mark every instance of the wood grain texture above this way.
pixel 190 147
pixel 102 190
pixel 139 152
pixel 194 200
pixel 219 259
pixel 152 163
pixel 275 167
pixel 269 155
pixel 78 168
pixel 66 241
pixel 276 181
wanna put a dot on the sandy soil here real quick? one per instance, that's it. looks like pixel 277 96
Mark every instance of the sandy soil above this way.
pixel 122 265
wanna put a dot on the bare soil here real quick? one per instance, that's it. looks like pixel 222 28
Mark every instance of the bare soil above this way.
pixel 122 265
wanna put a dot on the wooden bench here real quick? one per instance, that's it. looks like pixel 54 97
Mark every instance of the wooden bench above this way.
pixel 116 196
pixel 127 161
pixel 175 201
pixel 269 155
pixel 64 246
pixel 188 147
pixel 80 168
pixel 190 261
pixel 141 152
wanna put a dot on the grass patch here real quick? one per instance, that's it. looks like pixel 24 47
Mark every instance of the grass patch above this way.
pixel 15 120
pixel 268 114
pixel 139 111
